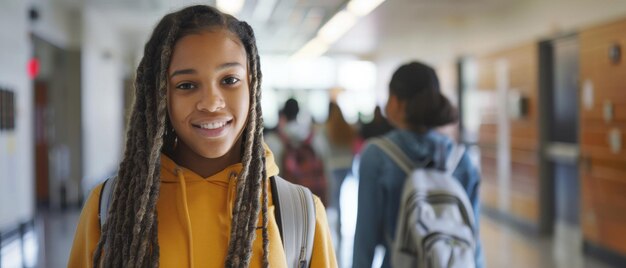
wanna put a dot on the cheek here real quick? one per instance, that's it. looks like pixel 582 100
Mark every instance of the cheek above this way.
pixel 243 104
pixel 170 109
pixel 389 110
pixel 394 114
pixel 177 108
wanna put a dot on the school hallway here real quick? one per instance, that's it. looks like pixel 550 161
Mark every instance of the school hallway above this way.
pixel 536 90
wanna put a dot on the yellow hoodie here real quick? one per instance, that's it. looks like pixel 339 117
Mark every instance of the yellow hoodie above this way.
pixel 194 215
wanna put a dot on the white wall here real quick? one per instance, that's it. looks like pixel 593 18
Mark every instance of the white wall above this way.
pixel 102 97
pixel 16 147
pixel 58 23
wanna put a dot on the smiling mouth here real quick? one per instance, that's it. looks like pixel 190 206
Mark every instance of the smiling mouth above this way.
pixel 212 129
pixel 212 125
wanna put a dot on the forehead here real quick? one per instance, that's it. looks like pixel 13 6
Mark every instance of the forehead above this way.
pixel 208 48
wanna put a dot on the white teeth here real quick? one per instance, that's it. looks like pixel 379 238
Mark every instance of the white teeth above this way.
pixel 213 125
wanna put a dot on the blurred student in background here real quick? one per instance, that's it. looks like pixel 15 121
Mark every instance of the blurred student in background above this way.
pixel 416 108
pixel 301 156
pixel 341 139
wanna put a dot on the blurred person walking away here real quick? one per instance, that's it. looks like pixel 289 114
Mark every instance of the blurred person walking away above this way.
pixel 416 108
pixel 301 157
pixel 273 138
pixel 341 139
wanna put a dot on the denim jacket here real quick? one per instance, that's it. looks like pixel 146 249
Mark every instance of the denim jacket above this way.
pixel 380 188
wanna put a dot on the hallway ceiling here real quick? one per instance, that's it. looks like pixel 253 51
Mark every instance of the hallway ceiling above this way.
pixel 292 23
pixel 433 30
pixel 282 30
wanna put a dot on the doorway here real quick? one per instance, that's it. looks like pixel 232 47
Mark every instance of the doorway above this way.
pixel 560 182
pixel 42 184
pixel 57 125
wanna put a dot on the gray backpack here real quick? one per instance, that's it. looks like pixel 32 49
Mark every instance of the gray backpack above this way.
pixel 435 225
pixel 294 211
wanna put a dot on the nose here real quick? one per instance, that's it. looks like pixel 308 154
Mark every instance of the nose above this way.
pixel 211 100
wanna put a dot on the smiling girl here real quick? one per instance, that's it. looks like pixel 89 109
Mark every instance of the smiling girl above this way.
pixel 193 187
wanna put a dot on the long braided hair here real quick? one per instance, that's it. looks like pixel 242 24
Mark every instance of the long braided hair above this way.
pixel 129 237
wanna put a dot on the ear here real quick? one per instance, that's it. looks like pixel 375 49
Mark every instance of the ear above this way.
pixel 395 110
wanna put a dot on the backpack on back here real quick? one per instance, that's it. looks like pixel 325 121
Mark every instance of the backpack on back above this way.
pixel 435 226
pixel 303 166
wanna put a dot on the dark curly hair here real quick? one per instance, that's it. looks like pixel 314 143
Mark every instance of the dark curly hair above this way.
pixel 426 108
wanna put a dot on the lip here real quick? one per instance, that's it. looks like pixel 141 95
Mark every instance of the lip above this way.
pixel 211 120
pixel 212 133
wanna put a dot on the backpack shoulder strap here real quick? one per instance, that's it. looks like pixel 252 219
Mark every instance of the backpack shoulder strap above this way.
pixel 453 161
pixel 295 215
pixel 105 198
pixel 396 154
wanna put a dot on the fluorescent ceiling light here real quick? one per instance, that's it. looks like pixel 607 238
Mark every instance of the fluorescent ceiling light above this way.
pixel 263 10
pixel 363 7
pixel 314 48
pixel 337 26
pixel 230 6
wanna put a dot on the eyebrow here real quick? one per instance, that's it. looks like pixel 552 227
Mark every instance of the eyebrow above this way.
pixel 219 68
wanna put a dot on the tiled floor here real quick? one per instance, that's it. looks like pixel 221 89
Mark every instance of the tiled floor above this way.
pixel 49 244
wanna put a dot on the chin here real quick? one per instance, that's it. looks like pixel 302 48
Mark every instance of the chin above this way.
pixel 214 152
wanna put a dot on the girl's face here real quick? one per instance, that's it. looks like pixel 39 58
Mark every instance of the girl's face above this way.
pixel 208 94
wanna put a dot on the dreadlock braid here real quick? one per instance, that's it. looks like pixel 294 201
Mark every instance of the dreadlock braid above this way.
pixel 247 205
pixel 266 240
pixel 260 187
pixel 151 191
pixel 130 235
pixel 127 232
pixel 127 203
pixel 113 222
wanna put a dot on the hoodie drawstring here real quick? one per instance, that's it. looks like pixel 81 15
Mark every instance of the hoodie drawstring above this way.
pixel 232 179
pixel 183 190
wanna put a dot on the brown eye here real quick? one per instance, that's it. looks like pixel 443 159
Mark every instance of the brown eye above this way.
pixel 185 86
pixel 230 80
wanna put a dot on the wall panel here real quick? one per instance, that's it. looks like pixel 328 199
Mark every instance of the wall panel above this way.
pixel 516 194
pixel 603 171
